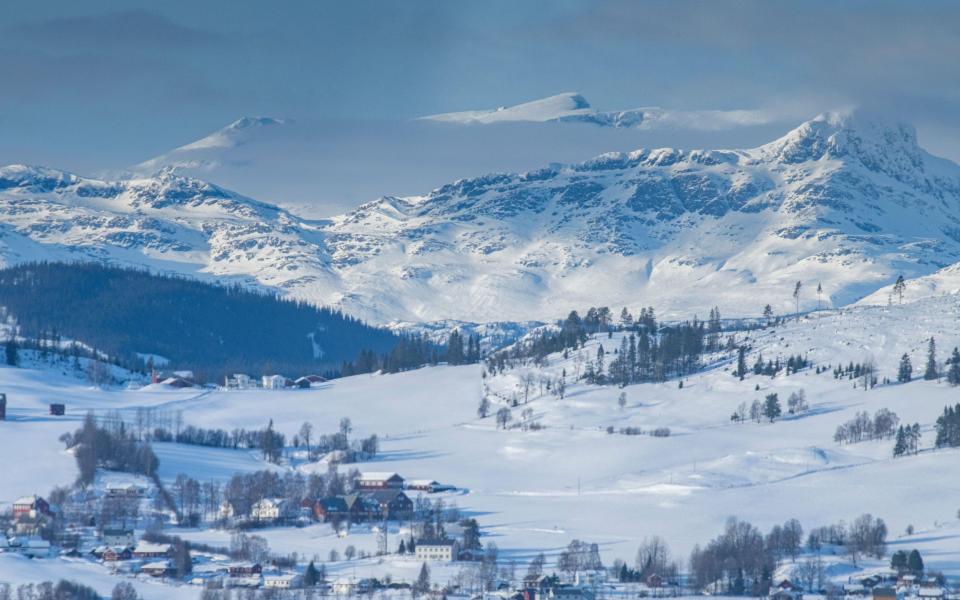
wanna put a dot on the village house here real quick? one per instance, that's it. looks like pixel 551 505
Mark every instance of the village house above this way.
pixel 308 381
pixel 245 570
pixel 330 508
pixel 125 490
pixel 430 486
pixel 786 594
pixel 160 568
pixel 284 581
pixel 116 553
pixel 379 481
pixel 146 549
pixel 270 509
pixel 358 508
pixel 274 382
pixel 239 381
pixel 30 507
pixel 389 504
pixel 118 537
pixel 437 550
pixel 569 592
pixel 930 593
pixel 226 510
pixel 884 593
pixel 344 586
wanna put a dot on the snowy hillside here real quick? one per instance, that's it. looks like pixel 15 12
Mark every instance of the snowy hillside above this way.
pixel 843 200
pixel 574 108
pixel 536 489
pixel 944 281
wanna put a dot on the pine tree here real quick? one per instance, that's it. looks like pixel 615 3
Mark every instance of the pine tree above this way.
pixel 900 446
pixel 915 562
pixel 741 363
pixel 905 372
pixel 931 371
pixel 311 576
pixel 899 287
pixel 13 358
pixel 422 585
pixel 771 408
pixel 796 297
pixel 953 373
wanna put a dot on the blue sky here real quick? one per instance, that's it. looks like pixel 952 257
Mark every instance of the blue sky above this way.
pixel 107 83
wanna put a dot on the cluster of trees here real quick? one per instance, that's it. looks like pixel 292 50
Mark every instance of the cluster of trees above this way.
pixel 647 356
pixel 245 489
pixel 47 590
pixel 741 560
pixel 579 556
pixel 907 440
pixel 771 368
pixel 932 369
pixel 113 447
pixel 411 351
pixel 903 562
pixel 861 427
pixel 948 427
pixel 648 353
pixel 653 558
pixel 459 353
pixel 855 371
pixel 267 440
pixel 770 408
pixel 572 333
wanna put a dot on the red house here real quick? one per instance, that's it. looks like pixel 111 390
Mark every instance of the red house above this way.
pixel 30 506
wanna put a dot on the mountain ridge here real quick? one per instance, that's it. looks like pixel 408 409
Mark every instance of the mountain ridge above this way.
pixel 844 200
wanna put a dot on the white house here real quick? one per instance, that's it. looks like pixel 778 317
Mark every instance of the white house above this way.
pixel 239 381
pixel 282 582
pixel 226 510
pixel 125 490
pixel 438 550
pixel 274 382
pixel 269 509
pixel 344 586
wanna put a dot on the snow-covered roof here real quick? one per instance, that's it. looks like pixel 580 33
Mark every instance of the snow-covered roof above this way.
pixel 151 548
pixel 377 476
pixel 159 564
pixel 26 500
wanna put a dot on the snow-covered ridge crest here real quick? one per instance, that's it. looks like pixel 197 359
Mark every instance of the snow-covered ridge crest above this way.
pixel 573 107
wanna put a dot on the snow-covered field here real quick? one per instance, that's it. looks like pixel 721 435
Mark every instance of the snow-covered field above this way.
pixel 537 490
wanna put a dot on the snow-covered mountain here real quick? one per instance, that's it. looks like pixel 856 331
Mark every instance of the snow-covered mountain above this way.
pixel 214 150
pixel 843 200
pixel 573 107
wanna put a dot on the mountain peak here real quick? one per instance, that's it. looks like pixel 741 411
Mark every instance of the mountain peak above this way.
pixel 876 141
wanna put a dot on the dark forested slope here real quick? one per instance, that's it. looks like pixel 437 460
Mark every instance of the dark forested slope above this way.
pixel 211 328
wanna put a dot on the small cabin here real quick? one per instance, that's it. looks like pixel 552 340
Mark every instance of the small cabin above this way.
pixel 58 410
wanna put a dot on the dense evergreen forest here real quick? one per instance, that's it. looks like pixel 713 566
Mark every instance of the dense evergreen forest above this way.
pixel 211 329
